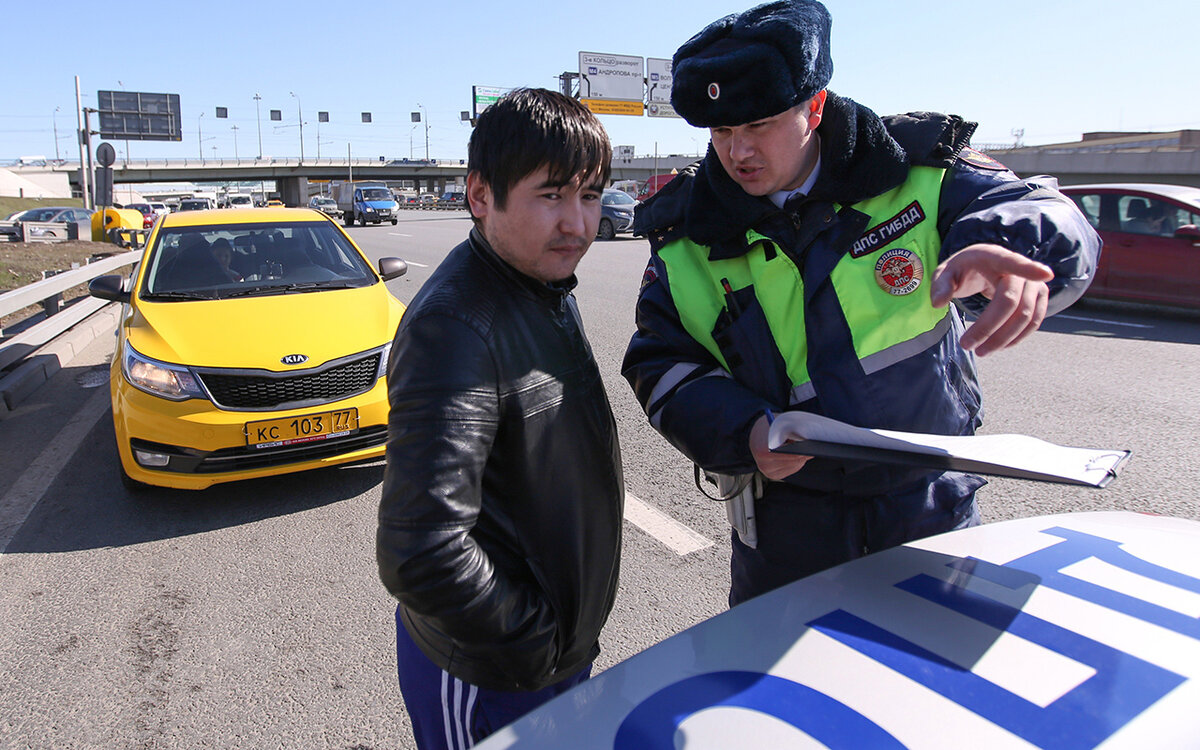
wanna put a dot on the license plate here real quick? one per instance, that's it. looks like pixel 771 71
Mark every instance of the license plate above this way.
pixel 270 433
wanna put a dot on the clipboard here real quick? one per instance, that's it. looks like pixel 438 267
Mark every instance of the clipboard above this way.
pixel 1017 456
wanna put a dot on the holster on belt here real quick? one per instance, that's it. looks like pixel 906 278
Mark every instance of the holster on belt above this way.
pixel 738 491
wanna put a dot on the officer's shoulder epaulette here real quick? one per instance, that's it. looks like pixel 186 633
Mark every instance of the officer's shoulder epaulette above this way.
pixel 930 139
pixel 660 238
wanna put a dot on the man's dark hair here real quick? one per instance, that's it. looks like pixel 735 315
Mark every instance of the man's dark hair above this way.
pixel 531 128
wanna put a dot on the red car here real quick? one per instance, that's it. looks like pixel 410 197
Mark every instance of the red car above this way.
pixel 1151 239
pixel 149 215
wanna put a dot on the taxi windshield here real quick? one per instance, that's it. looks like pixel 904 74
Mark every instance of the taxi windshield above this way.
pixel 236 260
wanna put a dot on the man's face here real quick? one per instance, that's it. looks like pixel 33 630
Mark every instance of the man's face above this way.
pixel 543 229
pixel 773 154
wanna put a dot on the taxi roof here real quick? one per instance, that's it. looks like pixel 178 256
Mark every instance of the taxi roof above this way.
pixel 268 215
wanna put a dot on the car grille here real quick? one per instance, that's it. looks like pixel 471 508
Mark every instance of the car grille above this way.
pixel 261 390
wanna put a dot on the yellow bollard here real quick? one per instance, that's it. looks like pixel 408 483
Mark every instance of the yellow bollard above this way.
pixel 111 218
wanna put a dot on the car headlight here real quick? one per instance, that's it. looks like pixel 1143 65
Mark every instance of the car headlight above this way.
pixel 172 382
pixel 383 361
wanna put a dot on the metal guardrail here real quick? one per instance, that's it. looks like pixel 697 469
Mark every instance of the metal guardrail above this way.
pixel 435 205
pixel 47 292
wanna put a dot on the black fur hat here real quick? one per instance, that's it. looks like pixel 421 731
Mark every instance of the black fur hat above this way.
pixel 753 65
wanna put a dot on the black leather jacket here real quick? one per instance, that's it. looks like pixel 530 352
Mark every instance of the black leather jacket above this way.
pixel 500 521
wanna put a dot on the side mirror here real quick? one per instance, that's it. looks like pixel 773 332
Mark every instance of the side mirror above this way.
pixel 1189 232
pixel 389 268
pixel 111 287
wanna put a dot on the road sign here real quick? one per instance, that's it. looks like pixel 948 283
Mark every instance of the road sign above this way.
pixel 612 84
pixel 658 88
pixel 483 97
pixel 106 155
pixel 138 116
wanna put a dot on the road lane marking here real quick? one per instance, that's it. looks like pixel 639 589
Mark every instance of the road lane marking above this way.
pixel 29 488
pixel 1102 321
pixel 399 234
pixel 678 538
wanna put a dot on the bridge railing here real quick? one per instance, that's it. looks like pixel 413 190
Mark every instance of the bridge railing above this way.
pixel 250 161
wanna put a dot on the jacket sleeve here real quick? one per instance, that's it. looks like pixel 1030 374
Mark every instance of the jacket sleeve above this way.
pixel 1029 216
pixel 445 414
pixel 686 393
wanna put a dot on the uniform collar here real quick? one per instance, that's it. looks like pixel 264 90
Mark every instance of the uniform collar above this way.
pixel 782 196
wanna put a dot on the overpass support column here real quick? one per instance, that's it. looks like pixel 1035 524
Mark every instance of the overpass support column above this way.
pixel 293 191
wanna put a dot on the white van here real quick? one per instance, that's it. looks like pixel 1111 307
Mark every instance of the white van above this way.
pixel 629 187
pixel 241 200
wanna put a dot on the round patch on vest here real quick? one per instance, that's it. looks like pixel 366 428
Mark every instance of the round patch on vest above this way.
pixel 899 271
pixel 714 91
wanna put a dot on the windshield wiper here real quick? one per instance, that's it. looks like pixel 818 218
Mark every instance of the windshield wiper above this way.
pixel 298 287
pixel 177 296
pixel 258 291
pixel 307 286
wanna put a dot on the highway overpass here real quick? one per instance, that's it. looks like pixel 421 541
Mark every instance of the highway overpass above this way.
pixel 1170 157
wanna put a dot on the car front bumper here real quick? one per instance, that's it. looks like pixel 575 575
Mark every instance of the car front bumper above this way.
pixel 199 445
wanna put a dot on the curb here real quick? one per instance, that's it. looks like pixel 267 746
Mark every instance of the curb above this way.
pixel 41 365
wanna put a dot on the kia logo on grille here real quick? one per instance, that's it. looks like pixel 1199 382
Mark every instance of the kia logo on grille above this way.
pixel 294 359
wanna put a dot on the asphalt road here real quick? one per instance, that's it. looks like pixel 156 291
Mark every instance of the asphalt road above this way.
pixel 250 615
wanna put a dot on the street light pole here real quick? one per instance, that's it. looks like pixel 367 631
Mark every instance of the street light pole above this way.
pixel 258 117
pixel 55 116
pixel 85 181
pixel 425 117
pixel 300 117
pixel 234 128
pixel 200 137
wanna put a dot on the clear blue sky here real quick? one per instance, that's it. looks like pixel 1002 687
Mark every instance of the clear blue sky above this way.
pixel 1054 68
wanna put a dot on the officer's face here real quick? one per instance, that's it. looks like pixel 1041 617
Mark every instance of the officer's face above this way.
pixel 543 229
pixel 776 153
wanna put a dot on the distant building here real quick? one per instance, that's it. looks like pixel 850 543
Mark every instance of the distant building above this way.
pixel 1171 157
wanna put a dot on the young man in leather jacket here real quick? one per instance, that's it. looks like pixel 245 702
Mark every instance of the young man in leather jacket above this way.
pixel 807 263
pixel 500 521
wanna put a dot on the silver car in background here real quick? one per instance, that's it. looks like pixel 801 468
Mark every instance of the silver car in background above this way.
pixel 326 205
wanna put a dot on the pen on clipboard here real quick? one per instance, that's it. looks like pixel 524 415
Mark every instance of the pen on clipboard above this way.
pixel 770 416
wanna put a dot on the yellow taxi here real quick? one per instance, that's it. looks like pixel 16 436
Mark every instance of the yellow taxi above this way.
pixel 252 342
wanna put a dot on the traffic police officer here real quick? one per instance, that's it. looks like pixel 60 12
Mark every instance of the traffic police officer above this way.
pixel 807 263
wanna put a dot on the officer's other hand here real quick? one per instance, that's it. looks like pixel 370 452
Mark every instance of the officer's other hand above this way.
pixel 773 466
pixel 1015 285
